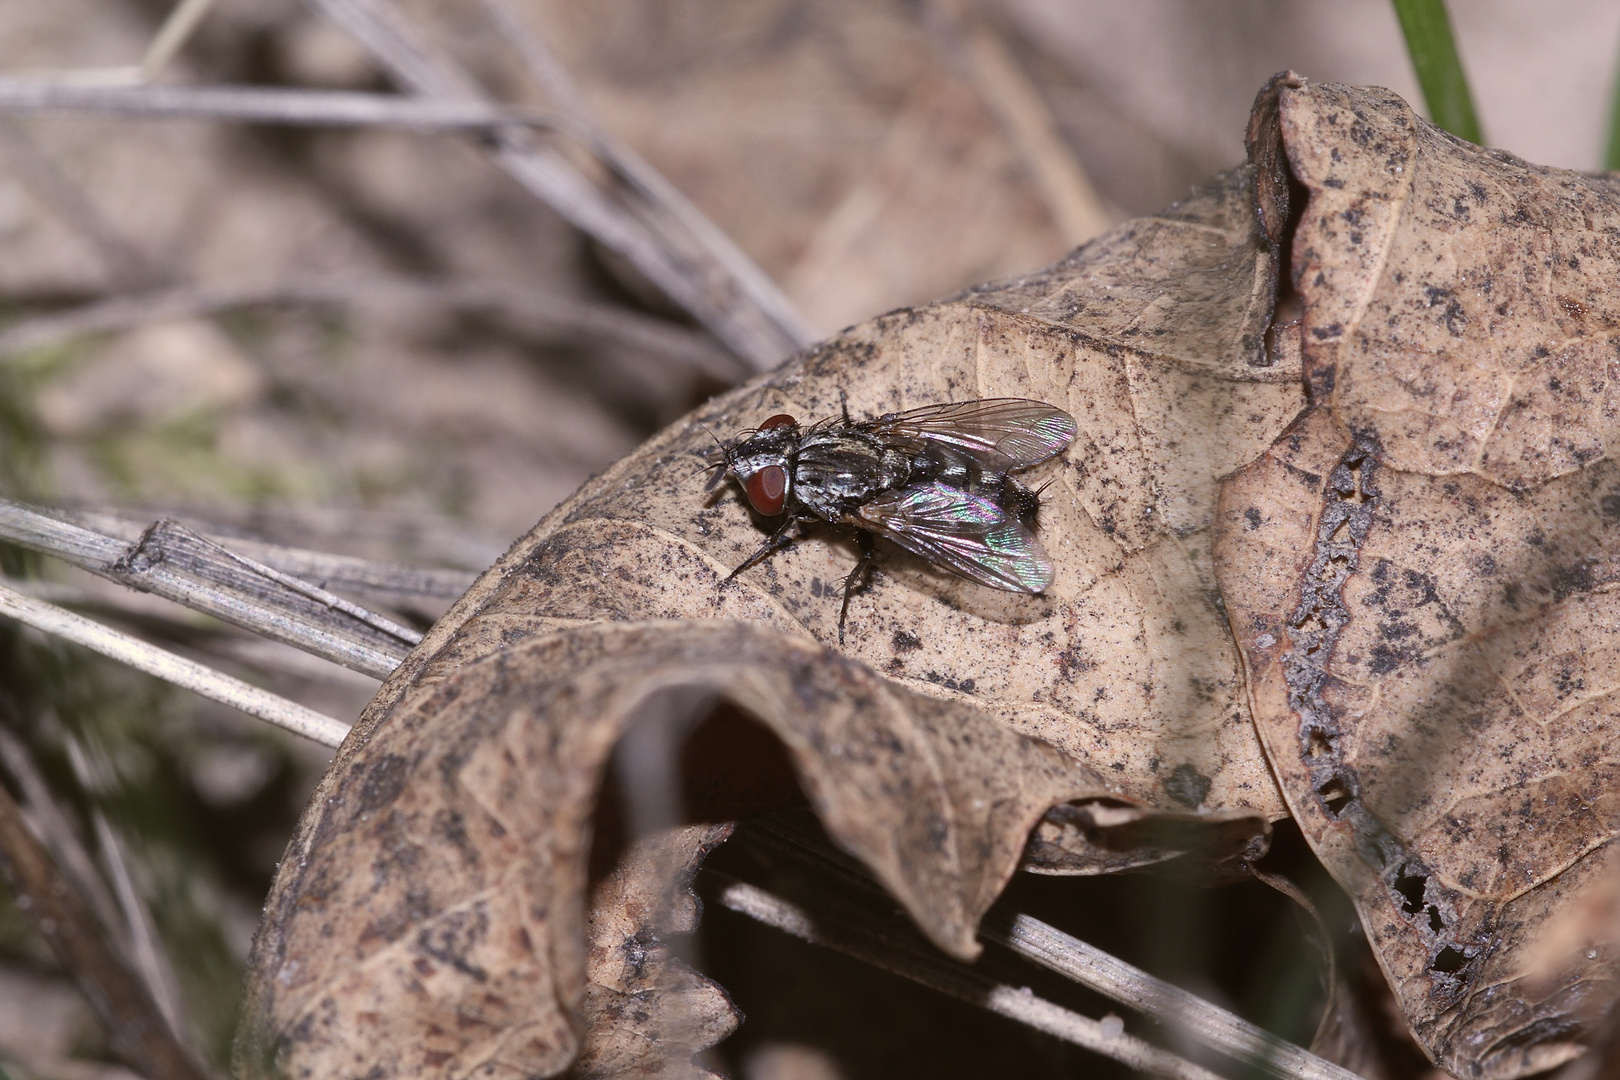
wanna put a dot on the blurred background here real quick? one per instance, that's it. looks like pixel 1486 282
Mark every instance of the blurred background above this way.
pixel 375 342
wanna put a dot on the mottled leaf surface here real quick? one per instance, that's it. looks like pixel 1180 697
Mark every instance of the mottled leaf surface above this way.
pixel 1421 572
pixel 435 922
pixel 1153 337
pixel 452 828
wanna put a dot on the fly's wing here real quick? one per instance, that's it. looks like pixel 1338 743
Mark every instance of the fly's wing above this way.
pixel 1002 434
pixel 960 531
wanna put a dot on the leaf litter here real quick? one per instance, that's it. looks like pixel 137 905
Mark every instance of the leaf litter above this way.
pixel 1124 665
pixel 1419 571
pixel 1395 494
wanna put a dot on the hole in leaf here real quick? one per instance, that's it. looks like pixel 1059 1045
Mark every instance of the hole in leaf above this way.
pixel 1411 887
pixel 1449 961
pixel 1319 745
pixel 1335 795
pixel 1436 923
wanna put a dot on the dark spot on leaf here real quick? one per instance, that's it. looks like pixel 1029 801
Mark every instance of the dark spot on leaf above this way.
pixel 1383 660
pixel 1187 786
pixel 384 781
pixel 1453 315
pixel 1568 682
pixel 453 937
pixel 1073 661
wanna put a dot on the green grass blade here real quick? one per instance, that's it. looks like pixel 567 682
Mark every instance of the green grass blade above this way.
pixel 1611 159
pixel 1439 70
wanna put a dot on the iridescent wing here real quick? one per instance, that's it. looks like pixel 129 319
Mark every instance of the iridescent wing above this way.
pixel 961 531
pixel 1002 434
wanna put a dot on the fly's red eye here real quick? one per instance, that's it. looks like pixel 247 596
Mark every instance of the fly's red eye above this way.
pixel 767 490
pixel 781 419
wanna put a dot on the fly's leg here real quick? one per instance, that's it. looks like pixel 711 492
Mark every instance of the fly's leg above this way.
pixel 778 540
pixel 843 403
pixel 859 578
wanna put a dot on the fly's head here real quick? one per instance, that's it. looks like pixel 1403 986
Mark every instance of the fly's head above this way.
pixel 761 461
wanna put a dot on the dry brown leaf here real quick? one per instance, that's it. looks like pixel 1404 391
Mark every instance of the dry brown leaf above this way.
pixel 1420 572
pixel 643 1010
pixel 433 923
pixel 1153 337
pixel 1102 837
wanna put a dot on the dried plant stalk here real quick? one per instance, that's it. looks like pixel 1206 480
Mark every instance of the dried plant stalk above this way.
pixel 215 685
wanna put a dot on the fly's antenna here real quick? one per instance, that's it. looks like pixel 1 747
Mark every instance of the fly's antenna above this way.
pixel 713 436
pixel 717 467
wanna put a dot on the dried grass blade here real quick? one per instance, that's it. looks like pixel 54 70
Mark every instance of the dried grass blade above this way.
pixel 787 837
pixel 178 564
pixel 126 264
pixel 135 1028
pixel 740 311
pixel 52 828
pixel 938 973
pixel 1018 106
pixel 265 105
pixel 177 29
pixel 557 316
pixel 346 572
pixel 1264 1052
pixel 665 208
pixel 145 954
pixel 215 685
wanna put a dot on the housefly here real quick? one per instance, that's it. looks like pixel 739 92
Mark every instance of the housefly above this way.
pixel 937 481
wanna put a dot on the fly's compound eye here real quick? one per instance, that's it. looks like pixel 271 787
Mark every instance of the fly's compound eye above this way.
pixel 767 490
pixel 781 419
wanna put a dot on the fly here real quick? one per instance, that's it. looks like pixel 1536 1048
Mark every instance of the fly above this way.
pixel 937 481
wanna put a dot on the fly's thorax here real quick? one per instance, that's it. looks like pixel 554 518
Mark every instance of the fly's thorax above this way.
pixel 840 468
